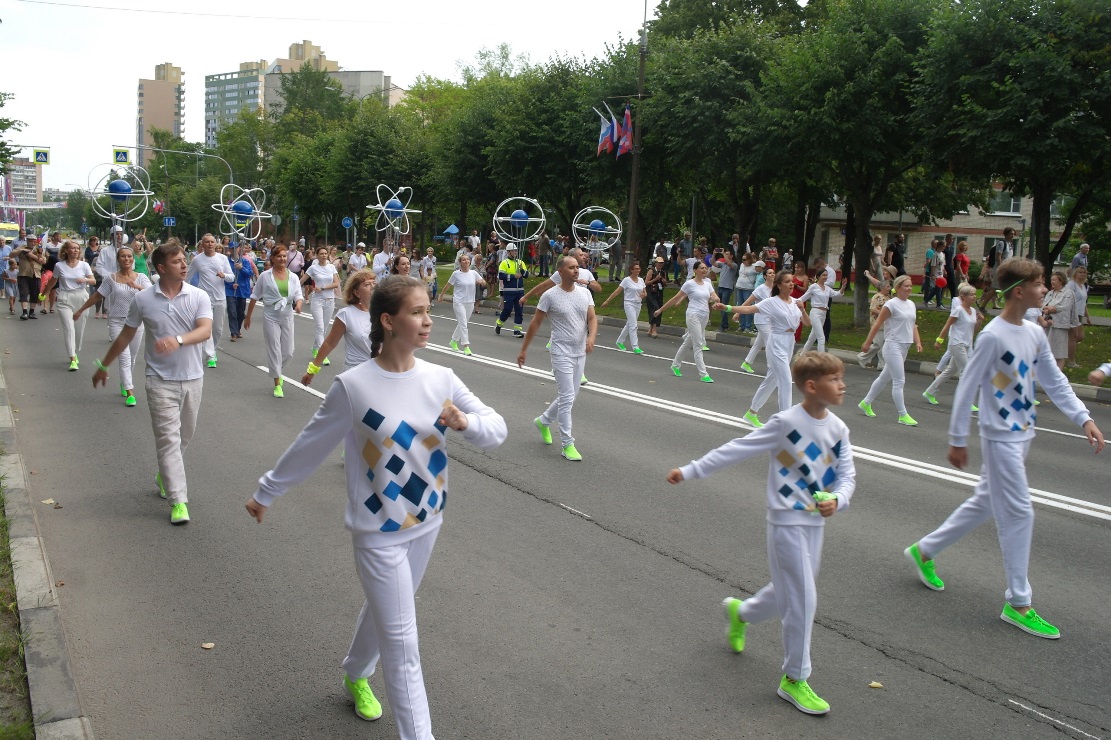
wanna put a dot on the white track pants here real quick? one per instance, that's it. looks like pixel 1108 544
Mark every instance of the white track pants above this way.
pixel 894 355
pixel 277 332
pixel 794 557
pixel 959 358
pixel 763 331
pixel 462 316
pixel 693 339
pixel 632 313
pixel 322 308
pixel 567 372
pixel 72 331
pixel 219 320
pixel 1002 494
pixel 174 406
pixel 130 352
pixel 387 629
pixel 817 330
pixel 780 346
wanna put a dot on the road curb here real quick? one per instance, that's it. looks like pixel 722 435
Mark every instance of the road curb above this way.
pixel 55 705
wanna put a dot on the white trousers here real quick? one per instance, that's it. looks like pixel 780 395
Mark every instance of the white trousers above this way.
pixel 794 557
pixel 322 308
pixel 629 331
pixel 693 339
pixel 277 332
pixel 943 363
pixel 817 330
pixel 387 629
pixel 174 406
pixel 873 351
pixel 778 378
pixel 567 372
pixel 763 331
pixel 959 359
pixel 1002 494
pixel 219 317
pixel 894 355
pixel 130 352
pixel 72 331
pixel 462 316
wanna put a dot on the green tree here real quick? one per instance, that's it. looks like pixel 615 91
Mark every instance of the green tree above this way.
pixel 7 151
pixel 247 144
pixel 312 101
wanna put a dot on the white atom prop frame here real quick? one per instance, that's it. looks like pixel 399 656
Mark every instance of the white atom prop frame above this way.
pixel 127 188
pixel 520 225
pixel 393 211
pixel 241 211
pixel 596 229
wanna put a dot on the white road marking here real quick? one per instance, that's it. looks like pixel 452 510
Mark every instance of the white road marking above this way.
pixel 576 512
pixel 1051 719
pixel 286 380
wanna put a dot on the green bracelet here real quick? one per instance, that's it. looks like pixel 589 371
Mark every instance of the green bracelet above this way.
pixel 100 365
pixel 313 368
pixel 728 308
pixel 941 340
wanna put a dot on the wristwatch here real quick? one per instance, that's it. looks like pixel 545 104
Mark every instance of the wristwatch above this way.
pixel 180 341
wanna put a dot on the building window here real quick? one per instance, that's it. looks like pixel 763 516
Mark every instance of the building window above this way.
pixel 1005 202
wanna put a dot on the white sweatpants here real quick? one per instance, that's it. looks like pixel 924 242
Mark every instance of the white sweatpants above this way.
pixel 387 629
pixel 763 331
pixel 693 339
pixel 219 318
pixel 817 330
pixel 894 355
pixel 130 352
pixel 462 316
pixel 567 372
pixel 794 557
pixel 277 332
pixel 943 363
pixel 72 331
pixel 1002 494
pixel 629 331
pixel 174 406
pixel 959 358
pixel 322 308
pixel 873 351
pixel 780 346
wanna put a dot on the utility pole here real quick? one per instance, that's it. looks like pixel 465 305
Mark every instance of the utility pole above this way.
pixel 634 180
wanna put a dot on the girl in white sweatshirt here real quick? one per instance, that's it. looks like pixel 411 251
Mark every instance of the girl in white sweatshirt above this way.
pixel 392 414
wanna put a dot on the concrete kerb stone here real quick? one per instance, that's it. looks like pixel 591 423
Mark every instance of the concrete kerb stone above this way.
pixel 55 704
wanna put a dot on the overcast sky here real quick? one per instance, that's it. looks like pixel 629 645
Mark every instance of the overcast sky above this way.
pixel 74 69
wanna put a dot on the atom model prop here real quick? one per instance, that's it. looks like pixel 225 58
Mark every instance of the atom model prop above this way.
pixel 519 219
pixel 393 210
pixel 241 211
pixel 596 229
pixel 127 188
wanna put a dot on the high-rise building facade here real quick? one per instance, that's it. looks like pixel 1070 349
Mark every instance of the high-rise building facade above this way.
pixel 355 84
pixel 159 104
pixel 24 181
pixel 225 95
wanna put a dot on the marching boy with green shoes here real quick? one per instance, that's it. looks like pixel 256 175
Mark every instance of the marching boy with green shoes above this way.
pixel 810 473
pixel 1007 354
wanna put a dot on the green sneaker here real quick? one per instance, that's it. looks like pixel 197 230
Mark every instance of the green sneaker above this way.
pixel 123 391
pixel 572 454
pixel 454 345
pixel 929 397
pixel 73 365
pixel 638 351
pixel 706 379
pixel 866 408
pixel 467 351
pixel 705 348
pixel 545 430
pixel 753 419
pixel 907 420
pixel 747 368
pixel 975 409
pixel 621 346
pixel 583 380
pixel 278 392
pixel 129 401
pixel 737 626
pixel 676 372
pixel 211 362
pixel 179 514
pixel 924 568
pixel 326 362
pixel 366 705
pixel 802 696
pixel 1029 622
pixel 314 353
pixel 158 482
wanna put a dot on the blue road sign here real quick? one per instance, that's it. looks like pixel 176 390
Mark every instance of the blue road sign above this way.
pixel 169 221
pixel 121 156
pixel 42 156
pixel 347 222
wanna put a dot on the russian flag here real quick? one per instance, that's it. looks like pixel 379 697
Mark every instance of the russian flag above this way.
pixel 625 143
pixel 605 136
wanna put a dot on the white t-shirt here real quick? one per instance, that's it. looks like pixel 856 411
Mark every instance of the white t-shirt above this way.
pixel 428 268
pixel 72 278
pixel 356 336
pixel 691 263
pixel 632 290
pixel 464 285
pixel 961 330
pixel 356 262
pixel 782 316
pixel 322 275
pixel 899 327
pixel 761 292
pixel 207 269
pixel 567 311
pixel 698 297
pixel 120 295
pixel 381 265
pixel 585 276
pixel 819 297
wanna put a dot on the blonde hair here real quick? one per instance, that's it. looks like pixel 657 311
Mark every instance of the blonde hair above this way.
pixel 813 365
pixel 966 289
pixel 901 280
pixel 355 281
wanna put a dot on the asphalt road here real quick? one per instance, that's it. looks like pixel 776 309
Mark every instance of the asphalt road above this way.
pixel 564 600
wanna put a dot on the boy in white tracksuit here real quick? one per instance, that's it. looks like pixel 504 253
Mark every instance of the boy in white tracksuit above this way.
pixel 1004 359
pixel 810 472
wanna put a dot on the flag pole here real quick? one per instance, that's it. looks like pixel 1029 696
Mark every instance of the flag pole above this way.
pixel 632 239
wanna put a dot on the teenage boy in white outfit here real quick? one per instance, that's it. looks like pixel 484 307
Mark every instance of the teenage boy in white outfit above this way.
pixel 212 271
pixel 178 319
pixel 1001 371
pixel 810 473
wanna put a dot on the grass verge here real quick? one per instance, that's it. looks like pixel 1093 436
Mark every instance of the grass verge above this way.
pixel 16 722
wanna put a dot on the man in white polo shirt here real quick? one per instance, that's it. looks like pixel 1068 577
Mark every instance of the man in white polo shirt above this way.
pixel 212 271
pixel 357 261
pixel 178 319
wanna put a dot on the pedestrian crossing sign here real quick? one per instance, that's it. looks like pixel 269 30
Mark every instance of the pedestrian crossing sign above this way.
pixel 42 156
pixel 121 156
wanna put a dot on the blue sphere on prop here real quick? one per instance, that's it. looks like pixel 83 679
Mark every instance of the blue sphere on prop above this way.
pixel 242 208
pixel 394 208
pixel 519 218
pixel 119 189
pixel 597 227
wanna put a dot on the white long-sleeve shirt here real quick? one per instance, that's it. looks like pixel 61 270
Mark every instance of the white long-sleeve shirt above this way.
pixel 805 455
pixel 395 448
pixel 819 296
pixel 274 304
pixel 206 269
pixel 1001 370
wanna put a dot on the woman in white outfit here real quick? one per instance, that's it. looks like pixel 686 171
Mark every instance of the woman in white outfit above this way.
pixel 464 284
pixel 783 315
pixel 322 299
pixel 119 289
pixel 352 325
pixel 699 292
pixel 1058 316
pixel 1079 287
pixel 73 278
pixel 898 319
pixel 820 296
pixel 634 292
pixel 959 329
pixel 763 330
pixel 280 293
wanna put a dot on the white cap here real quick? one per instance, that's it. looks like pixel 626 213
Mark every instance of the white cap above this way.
pixel 117 228
pixel 510 245
pixel 758 263
pixel 361 245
